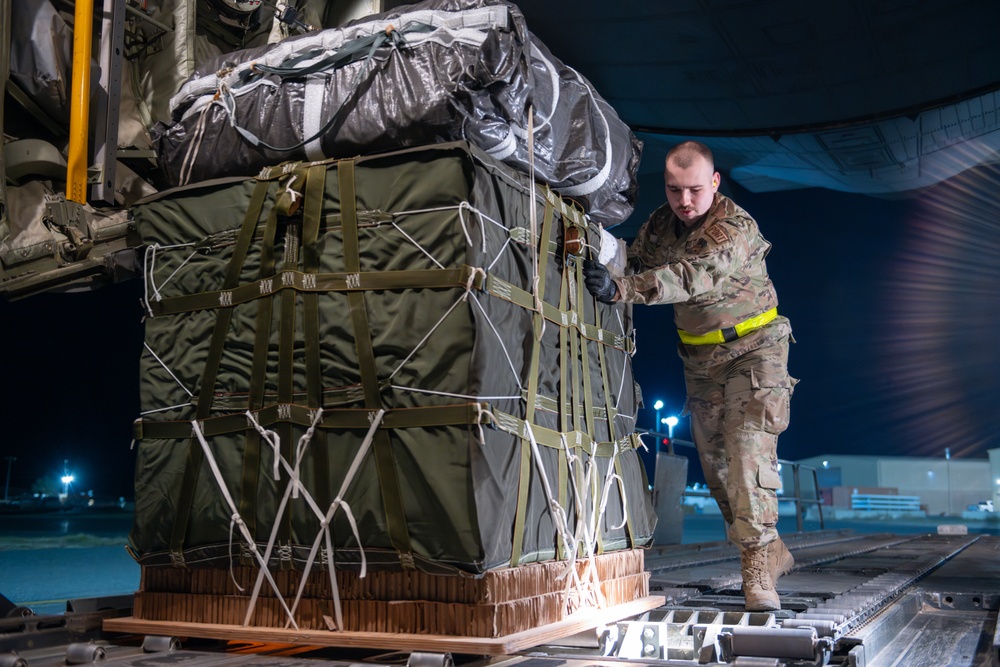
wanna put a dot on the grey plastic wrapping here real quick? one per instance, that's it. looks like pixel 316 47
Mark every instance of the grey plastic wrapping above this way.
pixel 454 69
pixel 41 56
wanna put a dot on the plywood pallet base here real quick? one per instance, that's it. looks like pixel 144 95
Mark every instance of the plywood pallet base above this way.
pixel 581 621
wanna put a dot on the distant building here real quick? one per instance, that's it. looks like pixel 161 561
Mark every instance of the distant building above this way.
pixel 995 476
pixel 945 486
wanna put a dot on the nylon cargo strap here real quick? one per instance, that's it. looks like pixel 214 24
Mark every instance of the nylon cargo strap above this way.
pixel 575 440
pixel 206 390
pixel 291 280
pixel 576 296
pixel 565 318
pixel 385 463
pixel 611 426
pixel 339 418
pixel 564 401
pixel 538 322
pixel 250 476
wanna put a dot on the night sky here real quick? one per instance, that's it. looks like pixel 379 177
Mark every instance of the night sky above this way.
pixel 893 305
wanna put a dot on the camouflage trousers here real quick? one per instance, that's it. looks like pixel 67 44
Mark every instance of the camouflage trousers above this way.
pixel 738 407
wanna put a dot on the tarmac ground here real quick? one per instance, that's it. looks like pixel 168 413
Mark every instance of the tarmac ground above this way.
pixel 46 560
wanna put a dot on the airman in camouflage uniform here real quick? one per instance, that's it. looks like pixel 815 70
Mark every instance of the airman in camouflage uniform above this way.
pixel 704 254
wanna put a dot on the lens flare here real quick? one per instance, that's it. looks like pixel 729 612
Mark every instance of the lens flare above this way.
pixel 940 358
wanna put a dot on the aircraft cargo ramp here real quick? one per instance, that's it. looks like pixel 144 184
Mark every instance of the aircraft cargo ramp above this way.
pixel 875 600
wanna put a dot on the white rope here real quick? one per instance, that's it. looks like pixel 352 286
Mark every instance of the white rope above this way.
pixel 166 409
pixel 169 372
pixel 468 290
pixel 480 413
pixel 419 247
pixel 463 205
pixel 149 269
pixel 626 360
pixel 300 450
pixel 244 531
pixel 560 521
pixel 609 477
pixel 187 165
pixel 499 254
pixel 292 489
pixel 466 396
pixel 477 272
pixel 503 347
pixel 559 518
pixel 293 485
pixel 271 438
pixel 482 228
pixel 327 519
pixel 426 336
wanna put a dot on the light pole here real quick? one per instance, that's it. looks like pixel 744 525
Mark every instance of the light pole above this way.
pixel 67 478
pixel 671 422
pixel 657 406
pixel 6 488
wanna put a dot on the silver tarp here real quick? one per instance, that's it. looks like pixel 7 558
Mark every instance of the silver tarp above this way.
pixel 434 71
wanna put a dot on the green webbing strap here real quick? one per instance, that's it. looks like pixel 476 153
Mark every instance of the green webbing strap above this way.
pixel 610 412
pixel 319 282
pixel 286 379
pixel 462 414
pixel 206 389
pixel 250 477
pixel 315 186
pixel 499 287
pixel 581 384
pixel 564 396
pixel 577 440
pixel 311 217
pixel 538 322
pixel 385 463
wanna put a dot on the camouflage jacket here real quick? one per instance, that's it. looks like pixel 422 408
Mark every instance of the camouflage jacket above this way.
pixel 713 273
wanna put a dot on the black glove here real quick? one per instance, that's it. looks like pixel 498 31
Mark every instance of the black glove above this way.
pixel 599 282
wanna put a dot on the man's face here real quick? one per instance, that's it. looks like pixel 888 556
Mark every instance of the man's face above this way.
pixel 691 190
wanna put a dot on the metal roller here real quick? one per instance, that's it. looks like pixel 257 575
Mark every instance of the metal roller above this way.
pixel 157 644
pixel 837 619
pixel 824 628
pixel 795 643
pixel 80 653
pixel 756 662
pixel 421 659
pixel 12 660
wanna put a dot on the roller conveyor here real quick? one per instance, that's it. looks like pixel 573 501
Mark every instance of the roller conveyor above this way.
pixel 852 600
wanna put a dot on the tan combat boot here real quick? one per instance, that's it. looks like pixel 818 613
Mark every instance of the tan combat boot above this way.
pixel 779 560
pixel 758 587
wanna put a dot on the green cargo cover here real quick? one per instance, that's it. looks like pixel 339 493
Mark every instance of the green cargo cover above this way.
pixel 363 341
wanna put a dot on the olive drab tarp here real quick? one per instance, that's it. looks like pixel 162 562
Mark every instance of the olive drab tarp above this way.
pixel 437 70
pixel 361 344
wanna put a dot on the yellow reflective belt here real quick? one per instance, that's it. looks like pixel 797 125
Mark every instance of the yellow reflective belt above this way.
pixel 728 334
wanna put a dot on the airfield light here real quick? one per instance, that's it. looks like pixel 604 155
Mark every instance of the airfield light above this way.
pixel 657 406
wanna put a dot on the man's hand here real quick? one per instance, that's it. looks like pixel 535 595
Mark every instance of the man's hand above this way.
pixel 599 281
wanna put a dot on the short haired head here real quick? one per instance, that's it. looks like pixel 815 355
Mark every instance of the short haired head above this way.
pixel 691 181
pixel 684 154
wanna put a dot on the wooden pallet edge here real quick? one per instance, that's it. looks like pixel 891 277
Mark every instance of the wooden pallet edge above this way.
pixel 581 621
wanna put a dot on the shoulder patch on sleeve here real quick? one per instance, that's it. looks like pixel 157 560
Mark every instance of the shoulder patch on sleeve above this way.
pixel 717 233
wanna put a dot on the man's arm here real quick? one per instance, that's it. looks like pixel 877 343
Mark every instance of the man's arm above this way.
pixel 681 280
